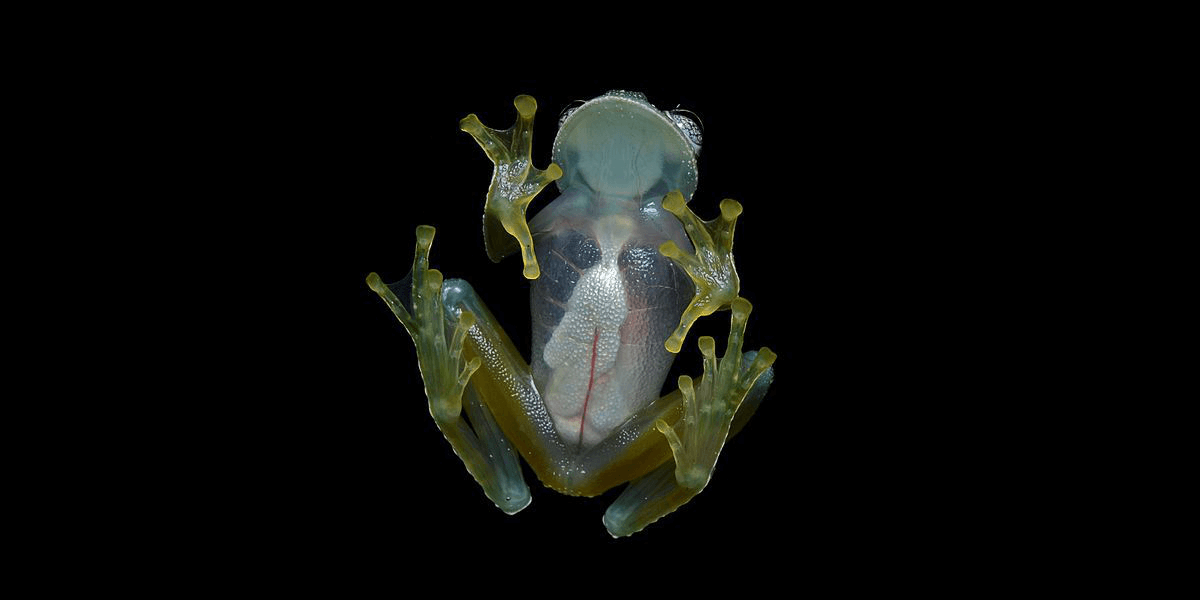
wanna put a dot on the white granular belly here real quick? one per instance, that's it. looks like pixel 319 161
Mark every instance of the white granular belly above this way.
pixel 584 395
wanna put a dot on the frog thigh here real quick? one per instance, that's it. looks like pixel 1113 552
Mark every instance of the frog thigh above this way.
pixel 630 452
pixel 505 385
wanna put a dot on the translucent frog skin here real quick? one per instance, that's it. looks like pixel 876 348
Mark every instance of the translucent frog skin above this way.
pixel 621 269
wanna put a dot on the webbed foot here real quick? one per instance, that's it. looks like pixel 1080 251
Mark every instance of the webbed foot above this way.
pixel 709 408
pixel 442 367
pixel 711 267
pixel 481 444
pixel 729 390
pixel 515 182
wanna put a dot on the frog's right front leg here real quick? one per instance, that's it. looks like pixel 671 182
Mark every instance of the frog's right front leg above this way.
pixel 447 372
pixel 515 182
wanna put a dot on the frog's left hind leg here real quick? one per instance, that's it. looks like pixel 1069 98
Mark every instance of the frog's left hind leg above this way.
pixel 729 388
pixel 481 444
pixel 515 181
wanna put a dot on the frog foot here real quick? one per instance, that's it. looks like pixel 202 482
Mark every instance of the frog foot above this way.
pixel 442 367
pixel 711 267
pixel 710 407
pixel 515 182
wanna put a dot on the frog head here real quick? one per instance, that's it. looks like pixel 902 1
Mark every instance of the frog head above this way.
pixel 619 145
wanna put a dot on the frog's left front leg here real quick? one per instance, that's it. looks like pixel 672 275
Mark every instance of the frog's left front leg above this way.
pixel 515 181
pixel 728 391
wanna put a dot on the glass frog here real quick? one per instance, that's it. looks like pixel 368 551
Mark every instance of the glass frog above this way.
pixel 621 268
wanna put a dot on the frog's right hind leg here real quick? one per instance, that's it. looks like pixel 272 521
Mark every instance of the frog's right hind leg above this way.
pixel 447 371
pixel 658 493
pixel 505 383
pixel 726 396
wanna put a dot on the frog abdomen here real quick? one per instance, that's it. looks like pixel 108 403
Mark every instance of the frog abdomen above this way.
pixel 602 308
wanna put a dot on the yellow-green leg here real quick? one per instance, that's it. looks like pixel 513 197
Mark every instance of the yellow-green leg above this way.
pixel 735 382
pixel 480 444
pixel 515 182
pixel 711 268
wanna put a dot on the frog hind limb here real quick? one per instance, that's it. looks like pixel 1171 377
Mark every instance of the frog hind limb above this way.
pixel 729 390
pixel 709 407
pixel 480 444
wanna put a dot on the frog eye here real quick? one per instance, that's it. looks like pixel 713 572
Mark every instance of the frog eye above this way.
pixel 691 126
pixel 570 108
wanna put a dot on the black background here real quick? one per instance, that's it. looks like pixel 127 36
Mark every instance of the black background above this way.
pixel 848 178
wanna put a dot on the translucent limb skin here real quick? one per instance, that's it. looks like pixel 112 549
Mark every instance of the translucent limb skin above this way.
pixel 481 445
pixel 515 182
pixel 729 390
pixel 711 267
